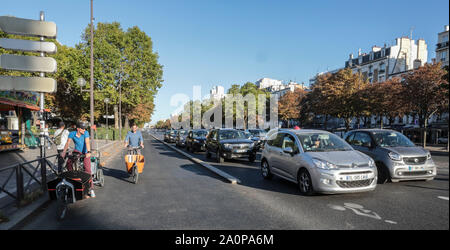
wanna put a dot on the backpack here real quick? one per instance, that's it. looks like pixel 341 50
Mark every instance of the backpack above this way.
pixel 58 138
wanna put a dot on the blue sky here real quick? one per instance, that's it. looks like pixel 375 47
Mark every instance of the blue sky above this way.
pixel 224 42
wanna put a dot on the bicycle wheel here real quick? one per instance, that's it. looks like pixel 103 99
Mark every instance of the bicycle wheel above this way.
pixel 61 210
pixel 135 174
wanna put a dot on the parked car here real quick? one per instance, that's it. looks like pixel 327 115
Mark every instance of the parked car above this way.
pixel 170 136
pixel 180 140
pixel 229 144
pixel 442 140
pixel 318 161
pixel 258 136
pixel 396 157
pixel 196 140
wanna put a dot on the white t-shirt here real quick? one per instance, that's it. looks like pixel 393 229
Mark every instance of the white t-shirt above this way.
pixel 64 137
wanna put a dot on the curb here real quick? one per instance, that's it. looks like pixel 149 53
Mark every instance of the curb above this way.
pixel 227 177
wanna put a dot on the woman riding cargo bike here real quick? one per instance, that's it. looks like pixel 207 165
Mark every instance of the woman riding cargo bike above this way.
pixel 134 160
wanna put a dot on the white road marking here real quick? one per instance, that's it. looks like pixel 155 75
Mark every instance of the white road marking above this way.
pixel 359 210
pixel 443 197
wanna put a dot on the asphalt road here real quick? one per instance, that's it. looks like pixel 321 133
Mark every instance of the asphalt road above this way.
pixel 175 193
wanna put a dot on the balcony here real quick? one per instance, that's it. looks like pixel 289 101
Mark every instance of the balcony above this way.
pixel 442 45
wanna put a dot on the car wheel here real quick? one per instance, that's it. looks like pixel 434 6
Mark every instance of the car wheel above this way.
pixel 383 173
pixel 305 183
pixel 265 170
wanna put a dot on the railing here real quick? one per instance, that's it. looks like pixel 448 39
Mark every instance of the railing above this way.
pixel 36 170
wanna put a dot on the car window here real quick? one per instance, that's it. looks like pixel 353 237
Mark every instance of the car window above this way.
pixel 362 139
pixel 277 142
pixel 392 139
pixel 322 142
pixel 231 134
pixel 289 141
pixel 350 138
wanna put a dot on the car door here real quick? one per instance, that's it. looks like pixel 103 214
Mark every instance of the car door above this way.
pixel 288 162
pixel 210 141
pixel 363 143
pixel 276 155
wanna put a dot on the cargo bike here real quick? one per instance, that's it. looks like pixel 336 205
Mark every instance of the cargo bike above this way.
pixel 134 162
pixel 72 186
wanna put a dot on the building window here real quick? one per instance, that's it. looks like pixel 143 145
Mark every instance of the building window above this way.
pixel 370 71
pixel 382 68
pixel 444 56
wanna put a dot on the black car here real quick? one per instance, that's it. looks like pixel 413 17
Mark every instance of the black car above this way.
pixel 170 136
pixel 229 144
pixel 196 140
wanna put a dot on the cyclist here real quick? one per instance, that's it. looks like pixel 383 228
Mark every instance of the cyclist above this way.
pixel 80 138
pixel 134 138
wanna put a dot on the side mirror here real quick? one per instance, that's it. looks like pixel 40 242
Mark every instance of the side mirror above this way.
pixel 288 150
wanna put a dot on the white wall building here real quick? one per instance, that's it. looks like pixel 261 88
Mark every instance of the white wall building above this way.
pixel 269 84
pixel 383 63
pixel 442 47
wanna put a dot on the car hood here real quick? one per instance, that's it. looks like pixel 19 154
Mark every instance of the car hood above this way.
pixel 342 158
pixel 236 141
pixel 408 151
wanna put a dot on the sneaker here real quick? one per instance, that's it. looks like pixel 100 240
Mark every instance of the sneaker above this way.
pixel 92 194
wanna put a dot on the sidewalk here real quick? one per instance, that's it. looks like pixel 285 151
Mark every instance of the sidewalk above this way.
pixel 14 215
pixel 437 150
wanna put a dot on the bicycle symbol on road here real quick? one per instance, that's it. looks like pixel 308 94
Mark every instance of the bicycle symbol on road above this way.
pixel 360 210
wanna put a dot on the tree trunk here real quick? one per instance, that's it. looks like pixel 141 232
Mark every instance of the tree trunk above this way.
pixel 127 125
pixel 116 117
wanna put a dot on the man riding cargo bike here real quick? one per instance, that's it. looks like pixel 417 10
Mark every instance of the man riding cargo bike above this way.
pixel 134 160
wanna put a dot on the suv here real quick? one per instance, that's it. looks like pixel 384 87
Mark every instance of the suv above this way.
pixel 196 139
pixel 258 136
pixel 396 157
pixel 229 144
pixel 170 136
pixel 318 161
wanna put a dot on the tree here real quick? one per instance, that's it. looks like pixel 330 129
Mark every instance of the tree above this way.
pixel 289 105
pixel 426 92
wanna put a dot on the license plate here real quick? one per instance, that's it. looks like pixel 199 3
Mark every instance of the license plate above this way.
pixel 358 177
pixel 415 168
pixel 239 150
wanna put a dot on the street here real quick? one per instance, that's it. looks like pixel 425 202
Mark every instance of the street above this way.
pixel 175 193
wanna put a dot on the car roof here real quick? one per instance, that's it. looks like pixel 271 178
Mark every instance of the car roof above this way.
pixel 373 130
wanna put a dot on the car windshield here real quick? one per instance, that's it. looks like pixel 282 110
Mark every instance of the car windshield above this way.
pixel 257 133
pixel 200 133
pixel 392 139
pixel 182 132
pixel 322 142
pixel 231 134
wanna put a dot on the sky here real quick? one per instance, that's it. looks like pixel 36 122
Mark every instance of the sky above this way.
pixel 224 42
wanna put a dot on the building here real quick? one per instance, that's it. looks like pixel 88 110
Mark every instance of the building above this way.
pixel 442 47
pixel 383 63
pixel 269 84
pixel 290 87
pixel 217 92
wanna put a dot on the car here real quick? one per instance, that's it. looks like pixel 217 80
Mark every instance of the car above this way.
pixel 180 140
pixel 229 144
pixel 442 140
pixel 258 136
pixel 170 136
pixel 318 162
pixel 397 158
pixel 196 140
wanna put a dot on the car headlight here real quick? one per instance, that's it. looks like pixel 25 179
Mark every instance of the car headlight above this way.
pixel 227 146
pixel 252 145
pixel 371 164
pixel 324 164
pixel 195 140
pixel 395 156
pixel 428 156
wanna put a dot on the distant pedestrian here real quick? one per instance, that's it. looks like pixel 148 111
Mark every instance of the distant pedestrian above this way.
pixel 60 138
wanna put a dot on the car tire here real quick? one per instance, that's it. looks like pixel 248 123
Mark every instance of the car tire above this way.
pixel 265 170
pixel 383 173
pixel 305 183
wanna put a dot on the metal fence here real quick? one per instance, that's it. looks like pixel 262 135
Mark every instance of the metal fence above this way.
pixel 29 176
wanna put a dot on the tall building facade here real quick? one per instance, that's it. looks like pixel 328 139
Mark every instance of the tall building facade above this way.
pixel 442 47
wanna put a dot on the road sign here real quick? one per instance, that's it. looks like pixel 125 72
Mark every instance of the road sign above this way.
pixel 27 27
pixel 33 84
pixel 28 63
pixel 27 45
pixel 108 116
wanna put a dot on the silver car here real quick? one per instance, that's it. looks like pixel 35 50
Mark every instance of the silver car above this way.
pixel 396 157
pixel 318 161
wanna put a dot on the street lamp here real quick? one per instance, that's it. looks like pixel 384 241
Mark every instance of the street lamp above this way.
pixel 81 82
